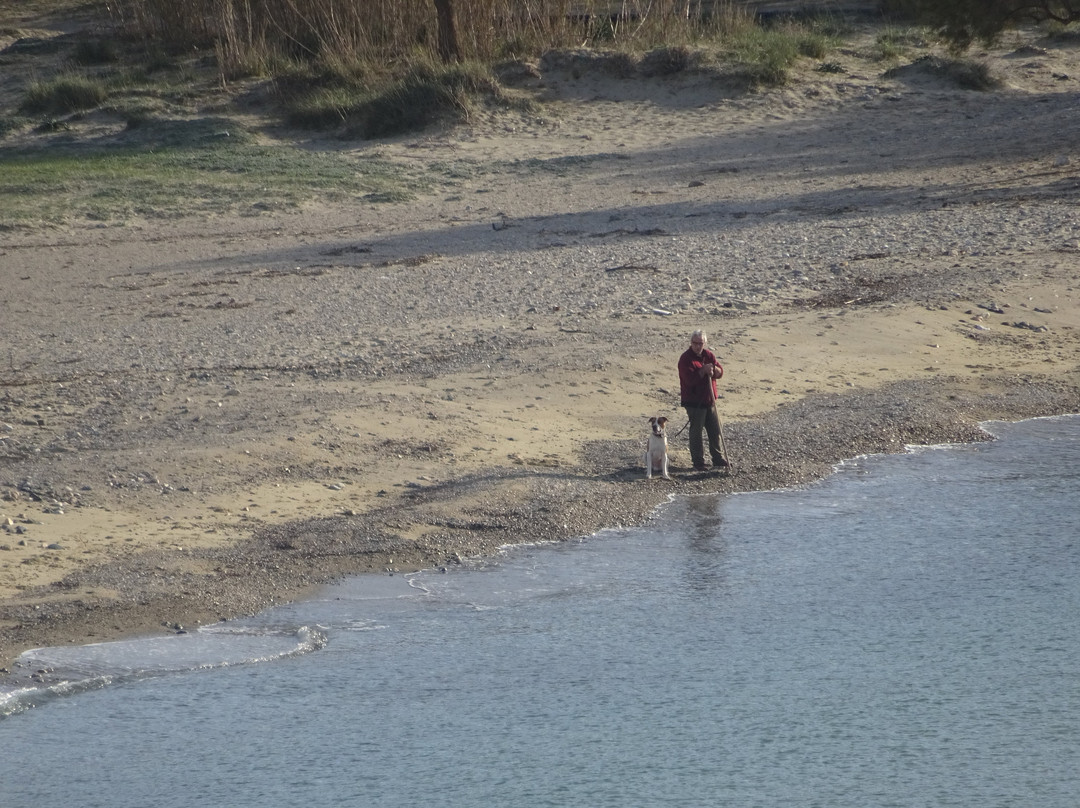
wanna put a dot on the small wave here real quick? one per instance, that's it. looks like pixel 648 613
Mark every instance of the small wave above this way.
pixel 21 699
pixel 11 700
pixel 42 674
pixel 363 625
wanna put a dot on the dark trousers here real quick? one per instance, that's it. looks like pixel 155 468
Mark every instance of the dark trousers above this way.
pixel 705 417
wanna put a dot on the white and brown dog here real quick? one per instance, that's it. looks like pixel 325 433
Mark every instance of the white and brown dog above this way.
pixel 656 458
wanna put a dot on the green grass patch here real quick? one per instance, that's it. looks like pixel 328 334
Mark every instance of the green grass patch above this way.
pixel 324 109
pixel 766 53
pixel 765 56
pixel 64 95
pixel 177 168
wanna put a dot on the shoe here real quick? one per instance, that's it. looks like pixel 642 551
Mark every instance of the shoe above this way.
pixel 721 463
pixel 700 467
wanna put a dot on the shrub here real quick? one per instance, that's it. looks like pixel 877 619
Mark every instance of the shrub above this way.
pixel 892 43
pixel 96 52
pixel 666 61
pixel 324 108
pixel 424 97
pixel 964 73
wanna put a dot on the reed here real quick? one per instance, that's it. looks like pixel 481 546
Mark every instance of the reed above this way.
pixel 251 36
pixel 379 67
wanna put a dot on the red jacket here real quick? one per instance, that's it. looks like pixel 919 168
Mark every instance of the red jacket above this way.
pixel 697 391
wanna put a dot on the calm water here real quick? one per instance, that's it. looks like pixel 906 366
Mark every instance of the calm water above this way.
pixel 905 633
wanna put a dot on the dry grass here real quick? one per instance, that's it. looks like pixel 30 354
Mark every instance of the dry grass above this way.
pixel 251 35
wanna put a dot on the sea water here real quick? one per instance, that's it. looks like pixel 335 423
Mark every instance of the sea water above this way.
pixel 903 633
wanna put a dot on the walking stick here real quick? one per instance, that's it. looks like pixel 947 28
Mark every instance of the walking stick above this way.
pixel 723 443
pixel 723 446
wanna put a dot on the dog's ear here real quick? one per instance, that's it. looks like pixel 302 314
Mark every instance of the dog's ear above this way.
pixel 661 420
pixel 652 420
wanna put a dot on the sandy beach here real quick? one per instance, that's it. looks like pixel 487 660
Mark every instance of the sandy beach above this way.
pixel 201 417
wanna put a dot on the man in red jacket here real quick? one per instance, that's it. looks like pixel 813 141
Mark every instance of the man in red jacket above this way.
pixel 698 372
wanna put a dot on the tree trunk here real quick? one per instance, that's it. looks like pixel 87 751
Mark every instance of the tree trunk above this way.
pixel 449 49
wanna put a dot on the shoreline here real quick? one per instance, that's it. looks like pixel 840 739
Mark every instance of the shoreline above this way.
pixel 287 562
